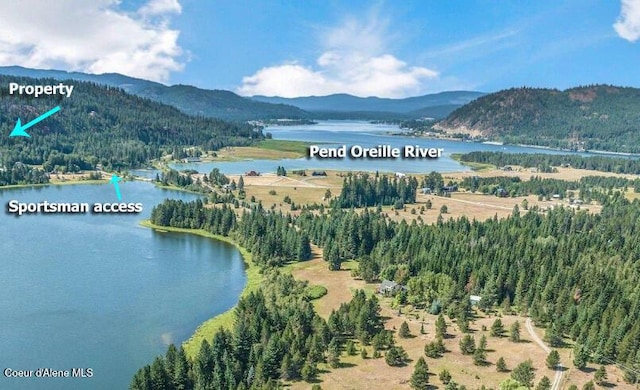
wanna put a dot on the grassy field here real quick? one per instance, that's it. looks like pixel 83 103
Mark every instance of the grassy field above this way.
pixel 268 149
pixel 225 320
pixel 475 166
pixel 285 146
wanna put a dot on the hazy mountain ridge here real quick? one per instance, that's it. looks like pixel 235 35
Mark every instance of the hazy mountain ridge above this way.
pixel 228 105
pixel 596 117
pixel 190 100
pixel 349 103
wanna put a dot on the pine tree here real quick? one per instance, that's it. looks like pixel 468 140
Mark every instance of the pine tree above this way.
pixel 523 373
pixel 480 353
pixel 396 356
pixel 420 377
pixel 600 376
pixel 334 353
pixel 514 332
pixel 441 327
pixel 553 359
pixel 501 365
pixel 467 345
pixel 309 371
pixel 404 330
pixel 544 384
pixel 580 356
pixel 445 376
pixel 497 329
pixel 431 350
pixel 181 379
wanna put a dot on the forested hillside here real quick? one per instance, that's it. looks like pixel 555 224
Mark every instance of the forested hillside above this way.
pixel 104 125
pixel 598 117
pixel 573 272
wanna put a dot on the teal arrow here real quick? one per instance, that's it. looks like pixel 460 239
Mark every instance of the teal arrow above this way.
pixel 114 180
pixel 19 130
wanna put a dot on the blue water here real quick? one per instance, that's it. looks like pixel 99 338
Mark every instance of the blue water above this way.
pixel 101 292
pixel 335 133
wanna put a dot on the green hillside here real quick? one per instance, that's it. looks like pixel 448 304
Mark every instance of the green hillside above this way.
pixel 104 125
pixel 598 117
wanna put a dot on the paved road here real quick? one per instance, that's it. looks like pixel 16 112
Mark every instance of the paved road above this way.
pixel 555 385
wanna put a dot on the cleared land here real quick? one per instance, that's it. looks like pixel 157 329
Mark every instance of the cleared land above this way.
pixel 266 150
pixel 355 372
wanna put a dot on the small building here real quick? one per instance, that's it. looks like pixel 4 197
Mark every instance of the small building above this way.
pixel 555 197
pixel 389 287
pixel 426 190
pixel 191 159
pixel 506 168
pixel 474 299
pixel 452 188
pixel 400 174
pixel 502 193
pixel 319 173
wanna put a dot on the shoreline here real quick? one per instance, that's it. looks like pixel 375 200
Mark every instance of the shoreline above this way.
pixel 60 183
pixel 205 330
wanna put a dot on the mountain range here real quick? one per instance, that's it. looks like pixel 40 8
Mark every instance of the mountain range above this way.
pixel 594 117
pixel 230 106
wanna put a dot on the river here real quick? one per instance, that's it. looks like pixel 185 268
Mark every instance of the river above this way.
pixel 101 292
pixel 332 133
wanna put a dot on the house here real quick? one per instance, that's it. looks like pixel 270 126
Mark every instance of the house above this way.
pixel 555 197
pixel 319 173
pixel 426 190
pixel 191 159
pixel 400 174
pixel 474 299
pixel 452 188
pixel 502 193
pixel 252 173
pixel 389 287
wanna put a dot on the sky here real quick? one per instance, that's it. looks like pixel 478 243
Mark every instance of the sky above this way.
pixel 318 47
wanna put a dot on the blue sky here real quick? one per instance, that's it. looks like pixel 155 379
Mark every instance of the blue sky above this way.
pixel 301 48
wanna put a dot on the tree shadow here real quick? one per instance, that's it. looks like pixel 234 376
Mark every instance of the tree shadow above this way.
pixel 346 365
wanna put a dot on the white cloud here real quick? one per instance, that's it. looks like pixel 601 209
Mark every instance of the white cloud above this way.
pixel 628 24
pixel 91 36
pixel 160 7
pixel 354 60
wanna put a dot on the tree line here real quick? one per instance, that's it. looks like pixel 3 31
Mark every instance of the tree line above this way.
pixel 541 160
pixel 362 190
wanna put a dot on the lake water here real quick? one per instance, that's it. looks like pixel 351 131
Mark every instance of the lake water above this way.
pixel 333 133
pixel 101 292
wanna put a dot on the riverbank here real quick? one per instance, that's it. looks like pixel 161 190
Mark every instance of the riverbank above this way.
pixel 53 183
pixel 206 330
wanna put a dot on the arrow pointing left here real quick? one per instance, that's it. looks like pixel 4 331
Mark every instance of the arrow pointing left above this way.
pixel 19 130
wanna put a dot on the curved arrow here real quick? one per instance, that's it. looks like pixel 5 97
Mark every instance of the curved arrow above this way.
pixel 19 130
